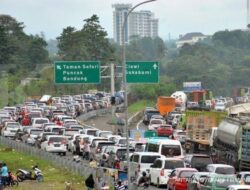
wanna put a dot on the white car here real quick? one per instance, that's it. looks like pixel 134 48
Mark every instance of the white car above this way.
pixel 103 133
pixel 220 106
pixel 140 162
pixel 162 167
pixel 10 129
pixel 55 144
pixel 220 169
pixel 180 135
pixel 38 122
pixel 155 123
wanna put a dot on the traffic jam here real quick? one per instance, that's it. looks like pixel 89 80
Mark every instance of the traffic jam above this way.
pixel 188 141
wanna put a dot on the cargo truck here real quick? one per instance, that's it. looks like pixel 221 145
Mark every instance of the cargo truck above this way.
pixel 201 129
pixel 232 143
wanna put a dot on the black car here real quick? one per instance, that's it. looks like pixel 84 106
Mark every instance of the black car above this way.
pixel 198 161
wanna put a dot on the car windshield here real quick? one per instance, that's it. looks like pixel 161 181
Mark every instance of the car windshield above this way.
pixel 171 150
pixel 186 174
pixel 148 159
pixel 172 164
pixel 166 127
pixel 36 132
pixel 57 130
pixel 200 161
pixel 224 170
pixel 225 182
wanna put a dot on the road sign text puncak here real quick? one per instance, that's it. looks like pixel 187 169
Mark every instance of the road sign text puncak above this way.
pixel 77 72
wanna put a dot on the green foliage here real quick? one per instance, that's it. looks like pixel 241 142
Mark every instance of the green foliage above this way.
pixel 220 64
pixel 152 91
pixel 139 105
pixel 89 43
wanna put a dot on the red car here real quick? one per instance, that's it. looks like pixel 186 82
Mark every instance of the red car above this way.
pixel 179 177
pixel 165 130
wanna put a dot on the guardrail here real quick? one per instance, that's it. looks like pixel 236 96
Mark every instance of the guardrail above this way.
pixel 94 113
pixel 79 168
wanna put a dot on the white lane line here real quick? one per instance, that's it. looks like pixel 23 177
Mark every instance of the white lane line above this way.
pixel 138 124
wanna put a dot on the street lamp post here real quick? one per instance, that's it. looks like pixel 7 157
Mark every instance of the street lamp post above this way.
pixel 125 83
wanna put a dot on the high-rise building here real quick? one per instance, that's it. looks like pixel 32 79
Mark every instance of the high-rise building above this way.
pixel 140 23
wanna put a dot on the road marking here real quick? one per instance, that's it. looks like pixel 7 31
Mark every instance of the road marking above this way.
pixel 138 125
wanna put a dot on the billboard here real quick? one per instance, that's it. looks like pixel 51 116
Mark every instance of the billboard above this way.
pixel 191 86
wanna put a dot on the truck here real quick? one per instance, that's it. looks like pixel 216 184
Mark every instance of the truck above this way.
pixel 201 129
pixel 232 143
pixel 180 100
pixel 165 104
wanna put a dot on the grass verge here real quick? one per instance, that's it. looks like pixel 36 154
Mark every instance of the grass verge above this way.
pixel 54 177
pixel 140 105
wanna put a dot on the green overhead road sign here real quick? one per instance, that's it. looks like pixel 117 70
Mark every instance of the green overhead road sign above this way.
pixel 142 72
pixel 77 72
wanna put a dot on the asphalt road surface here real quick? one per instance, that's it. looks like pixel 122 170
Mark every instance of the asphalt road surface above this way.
pixel 103 123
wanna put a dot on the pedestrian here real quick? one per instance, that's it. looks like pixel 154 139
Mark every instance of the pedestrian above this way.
pixel 86 150
pixel 77 144
pixel 90 183
pixel 92 163
pixel 4 174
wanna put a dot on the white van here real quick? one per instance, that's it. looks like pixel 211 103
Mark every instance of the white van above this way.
pixel 165 147
pixel 141 162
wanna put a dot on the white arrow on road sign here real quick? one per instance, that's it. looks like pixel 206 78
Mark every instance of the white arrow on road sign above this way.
pixel 155 66
pixel 58 67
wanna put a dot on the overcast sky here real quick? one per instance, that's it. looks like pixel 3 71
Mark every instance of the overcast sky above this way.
pixel 175 16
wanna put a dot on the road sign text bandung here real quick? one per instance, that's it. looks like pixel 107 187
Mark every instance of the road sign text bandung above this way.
pixel 77 72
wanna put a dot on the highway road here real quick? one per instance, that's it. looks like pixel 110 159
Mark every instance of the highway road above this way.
pixel 103 124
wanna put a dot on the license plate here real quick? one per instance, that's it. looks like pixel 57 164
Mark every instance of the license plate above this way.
pixel 57 145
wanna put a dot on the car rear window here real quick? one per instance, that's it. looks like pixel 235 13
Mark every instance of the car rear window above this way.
pixel 171 150
pixel 186 174
pixel 181 133
pixel 36 132
pixel 224 170
pixel 121 152
pixel 225 182
pixel 122 141
pixel 200 161
pixel 148 159
pixel 41 121
pixel 247 179
pixel 172 164
pixel 102 144
pixel 156 122
pixel 91 132
pixel 56 139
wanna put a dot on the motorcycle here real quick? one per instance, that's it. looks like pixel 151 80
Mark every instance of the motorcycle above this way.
pixel 27 175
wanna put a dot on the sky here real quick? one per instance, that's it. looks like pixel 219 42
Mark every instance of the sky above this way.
pixel 175 16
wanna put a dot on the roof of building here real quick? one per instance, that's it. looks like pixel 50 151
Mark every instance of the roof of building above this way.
pixel 189 36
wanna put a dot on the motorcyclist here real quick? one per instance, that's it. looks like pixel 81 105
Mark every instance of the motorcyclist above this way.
pixel 143 180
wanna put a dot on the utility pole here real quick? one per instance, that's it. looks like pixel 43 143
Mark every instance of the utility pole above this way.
pixel 112 83
pixel 248 24
pixel 125 22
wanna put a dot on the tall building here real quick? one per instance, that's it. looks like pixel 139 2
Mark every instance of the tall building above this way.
pixel 140 23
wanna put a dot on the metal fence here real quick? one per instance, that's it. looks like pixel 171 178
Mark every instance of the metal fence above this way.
pixel 79 168
pixel 94 113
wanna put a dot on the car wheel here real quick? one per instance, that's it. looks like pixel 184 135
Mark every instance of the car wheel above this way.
pixel 64 153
